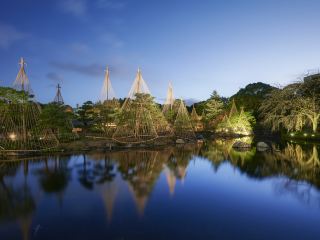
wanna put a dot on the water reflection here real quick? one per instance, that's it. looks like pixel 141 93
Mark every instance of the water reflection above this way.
pixel 25 184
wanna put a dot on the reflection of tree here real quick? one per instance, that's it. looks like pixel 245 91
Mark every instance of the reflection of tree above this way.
pixel 16 202
pixel 294 161
pixel 55 178
pixel 297 162
pixel 302 191
pixel 221 150
pixel 95 171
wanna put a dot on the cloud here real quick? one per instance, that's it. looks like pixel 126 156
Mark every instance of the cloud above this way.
pixel 77 8
pixel 111 4
pixel 9 34
pixel 89 70
pixel 112 40
pixel 79 48
pixel 54 77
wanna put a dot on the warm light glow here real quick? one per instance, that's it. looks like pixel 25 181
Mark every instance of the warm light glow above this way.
pixel 12 136
pixel 305 134
pixel 292 134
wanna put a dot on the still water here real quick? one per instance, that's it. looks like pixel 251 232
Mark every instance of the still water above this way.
pixel 207 191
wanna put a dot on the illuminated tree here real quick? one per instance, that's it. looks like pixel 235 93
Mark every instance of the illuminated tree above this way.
pixel 293 107
pixel 140 118
pixel 237 122
pixel 107 116
pixel 196 120
pixel 182 125
pixel 20 129
pixel 214 106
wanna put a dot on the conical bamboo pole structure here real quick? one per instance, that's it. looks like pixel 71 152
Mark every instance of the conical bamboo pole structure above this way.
pixel 19 120
pixel 58 98
pixel 141 120
pixel 182 126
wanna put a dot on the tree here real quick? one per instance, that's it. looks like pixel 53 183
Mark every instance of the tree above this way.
pixel 140 120
pixel 237 123
pixel 171 112
pixel 294 107
pixel 12 95
pixel 55 117
pixel 213 107
pixel 86 113
pixel 251 96
pixel 107 116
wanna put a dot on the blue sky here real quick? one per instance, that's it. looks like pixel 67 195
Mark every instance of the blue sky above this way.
pixel 197 45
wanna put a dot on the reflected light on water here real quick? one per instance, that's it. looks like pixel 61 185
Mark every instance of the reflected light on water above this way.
pixel 144 193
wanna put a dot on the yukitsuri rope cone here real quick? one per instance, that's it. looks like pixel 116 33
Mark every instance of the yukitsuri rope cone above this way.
pixel 20 130
pixel 107 110
pixel 140 120
pixel 168 105
pixel 58 98
pixel 196 120
pixel 182 126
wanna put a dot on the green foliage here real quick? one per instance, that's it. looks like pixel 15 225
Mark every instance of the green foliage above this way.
pixel 55 117
pixel 140 120
pixel 11 95
pixel 295 107
pixel 86 113
pixel 251 97
pixel 107 114
pixel 213 107
pixel 171 113
pixel 240 123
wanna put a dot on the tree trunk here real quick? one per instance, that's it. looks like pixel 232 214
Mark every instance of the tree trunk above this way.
pixel 314 121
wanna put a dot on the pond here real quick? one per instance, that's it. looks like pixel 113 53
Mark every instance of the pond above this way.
pixel 199 191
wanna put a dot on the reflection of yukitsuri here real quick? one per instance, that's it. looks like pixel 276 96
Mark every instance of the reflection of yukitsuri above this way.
pixel 139 200
pixel 171 180
pixel 25 224
pixel 141 170
pixel 180 160
pixel 109 191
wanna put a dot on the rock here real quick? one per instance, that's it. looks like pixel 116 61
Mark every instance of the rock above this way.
pixel 241 145
pixel 180 141
pixel 262 146
pixel 200 137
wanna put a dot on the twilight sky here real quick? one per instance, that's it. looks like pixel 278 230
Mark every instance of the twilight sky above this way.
pixel 198 45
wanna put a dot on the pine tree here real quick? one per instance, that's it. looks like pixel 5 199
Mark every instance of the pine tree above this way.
pixel 182 126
